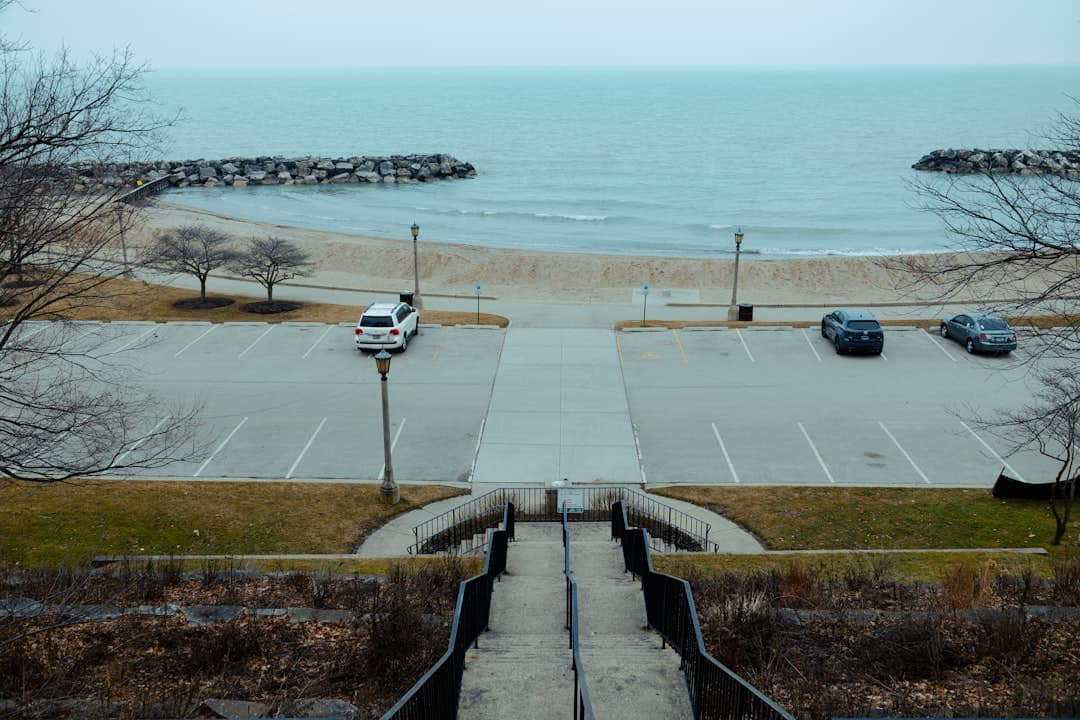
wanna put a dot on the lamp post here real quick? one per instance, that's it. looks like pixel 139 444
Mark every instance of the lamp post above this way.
pixel 415 266
pixel 733 311
pixel 388 491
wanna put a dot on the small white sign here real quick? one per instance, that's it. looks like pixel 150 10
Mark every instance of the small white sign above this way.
pixel 572 500
pixel 645 289
pixel 477 289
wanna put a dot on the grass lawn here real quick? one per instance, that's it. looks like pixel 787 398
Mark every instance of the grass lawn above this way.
pixel 871 519
pixel 68 523
pixel 137 300
pixel 823 518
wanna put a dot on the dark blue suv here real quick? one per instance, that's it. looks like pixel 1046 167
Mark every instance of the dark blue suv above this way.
pixel 853 331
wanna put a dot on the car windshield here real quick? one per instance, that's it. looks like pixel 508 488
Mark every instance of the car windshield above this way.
pixel 376 321
pixel 864 325
pixel 993 324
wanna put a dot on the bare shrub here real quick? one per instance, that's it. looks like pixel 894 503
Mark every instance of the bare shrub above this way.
pixel 913 647
pixel 965 586
pixel 1066 580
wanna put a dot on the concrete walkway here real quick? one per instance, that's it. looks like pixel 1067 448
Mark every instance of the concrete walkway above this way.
pixel 558 411
pixel 522 667
pixel 394 538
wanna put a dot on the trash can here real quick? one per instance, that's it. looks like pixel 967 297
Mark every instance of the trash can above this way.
pixel 406 297
pixel 746 311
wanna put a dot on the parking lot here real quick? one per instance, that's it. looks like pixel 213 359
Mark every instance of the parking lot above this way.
pixel 715 406
pixel 298 401
pixel 778 405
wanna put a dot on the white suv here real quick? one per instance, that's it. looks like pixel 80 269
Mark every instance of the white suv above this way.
pixel 387 325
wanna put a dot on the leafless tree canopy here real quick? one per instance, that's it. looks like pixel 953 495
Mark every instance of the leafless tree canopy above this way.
pixel 1012 242
pixel 272 260
pixel 65 409
pixel 194 250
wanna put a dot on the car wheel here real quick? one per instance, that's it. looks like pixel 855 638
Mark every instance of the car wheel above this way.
pixel 404 342
pixel 836 344
pixel 969 345
pixel 823 333
pixel 944 331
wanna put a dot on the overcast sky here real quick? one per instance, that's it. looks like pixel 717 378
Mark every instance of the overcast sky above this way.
pixel 381 33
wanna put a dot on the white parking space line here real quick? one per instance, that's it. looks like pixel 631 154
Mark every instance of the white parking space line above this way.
pixel 883 356
pixel 747 349
pixel 143 439
pixel 813 447
pixel 731 466
pixel 42 329
pixel 932 339
pixel 990 450
pixel 129 343
pixel 219 447
pixel 181 350
pixel 382 468
pixel 812 348
pixel 303 452
pixel 904 453
pixel 316 343
pixel 267 332
pixel 479 439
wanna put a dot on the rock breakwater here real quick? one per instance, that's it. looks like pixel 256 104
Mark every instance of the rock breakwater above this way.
pixel 1018 162
pixel 265 170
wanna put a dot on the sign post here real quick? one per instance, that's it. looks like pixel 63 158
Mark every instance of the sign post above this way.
pixel 645 304
pixel 477 303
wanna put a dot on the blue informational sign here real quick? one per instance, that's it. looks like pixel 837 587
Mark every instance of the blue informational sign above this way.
pixel 645 289
pixel 477 289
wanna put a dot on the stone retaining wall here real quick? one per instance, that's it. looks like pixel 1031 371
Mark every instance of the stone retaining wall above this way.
pixel 1019 162
pixel 240 172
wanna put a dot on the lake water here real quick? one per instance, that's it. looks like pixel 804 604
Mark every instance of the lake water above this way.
pixel 807 161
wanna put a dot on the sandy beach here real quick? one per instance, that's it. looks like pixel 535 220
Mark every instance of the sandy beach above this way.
pixel 386 265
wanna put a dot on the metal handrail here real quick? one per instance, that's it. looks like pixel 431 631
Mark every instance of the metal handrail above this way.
pixel 716 692
pixel 435 696
pixel 459 526
pixel 582 703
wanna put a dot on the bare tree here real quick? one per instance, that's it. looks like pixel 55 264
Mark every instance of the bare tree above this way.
pixel 66 409
pixel 193 250
pixel 1051 422
pixel 272 260
pixel 1012 241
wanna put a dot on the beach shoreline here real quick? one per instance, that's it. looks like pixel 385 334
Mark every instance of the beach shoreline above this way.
pixel 360 262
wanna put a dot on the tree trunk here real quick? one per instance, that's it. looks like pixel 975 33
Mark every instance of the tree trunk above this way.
pixel 202 289
pixel 269 293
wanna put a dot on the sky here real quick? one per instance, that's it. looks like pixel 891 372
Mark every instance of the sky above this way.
pixel 426 33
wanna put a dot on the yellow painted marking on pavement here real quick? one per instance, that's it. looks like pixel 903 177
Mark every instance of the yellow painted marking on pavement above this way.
pixel 436 356
pixel 682 351
pixel 648 356
pixel 618 348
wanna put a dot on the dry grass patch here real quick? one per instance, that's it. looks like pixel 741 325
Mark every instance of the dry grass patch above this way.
pixel 824 518
pixel 138 300
pixel 69 523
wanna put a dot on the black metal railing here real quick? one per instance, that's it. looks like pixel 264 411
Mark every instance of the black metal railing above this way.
pixel 716 692
pixel 457 529
pixel 435 696
pixel 582 704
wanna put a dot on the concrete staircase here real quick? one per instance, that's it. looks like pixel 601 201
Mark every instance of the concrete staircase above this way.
pixel 522 666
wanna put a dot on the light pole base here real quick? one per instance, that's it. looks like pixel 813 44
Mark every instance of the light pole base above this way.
pixel 389 494
pixel 733 312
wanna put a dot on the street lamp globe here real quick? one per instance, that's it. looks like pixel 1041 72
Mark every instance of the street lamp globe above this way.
pixel 382 362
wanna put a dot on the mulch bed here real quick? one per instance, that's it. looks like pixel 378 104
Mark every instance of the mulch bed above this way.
pixel 199 304
pixel 271 307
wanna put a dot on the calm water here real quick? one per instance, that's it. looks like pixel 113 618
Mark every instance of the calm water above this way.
pixel 634 161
